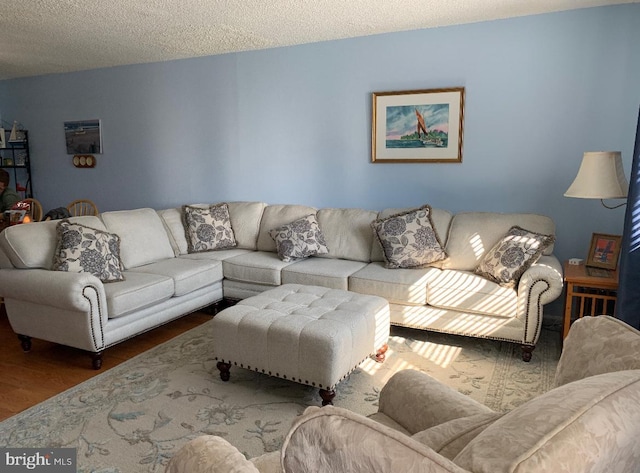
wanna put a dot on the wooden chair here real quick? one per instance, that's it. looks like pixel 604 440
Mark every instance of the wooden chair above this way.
pixel 82 207
pixel 32 206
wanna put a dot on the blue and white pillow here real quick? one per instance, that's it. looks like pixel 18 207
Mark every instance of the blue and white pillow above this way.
pixel 408 239
pixel 299 239
pixel 83 249
pixel 208 228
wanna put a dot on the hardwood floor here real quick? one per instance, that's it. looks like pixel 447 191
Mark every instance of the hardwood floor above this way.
pixel 48 369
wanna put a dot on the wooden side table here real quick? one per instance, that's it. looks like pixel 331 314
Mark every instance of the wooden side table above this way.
pixel 589 292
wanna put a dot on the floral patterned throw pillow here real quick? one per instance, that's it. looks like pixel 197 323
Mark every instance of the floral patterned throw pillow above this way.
pixel 299 239
pixel 208 228
pixel 408 239
pixel 82 249
pixel 513 255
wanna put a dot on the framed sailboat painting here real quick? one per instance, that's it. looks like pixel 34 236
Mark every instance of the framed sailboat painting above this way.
pixel 417 126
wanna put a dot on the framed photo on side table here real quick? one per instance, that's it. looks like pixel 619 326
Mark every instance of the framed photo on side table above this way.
pixel 417 126
pixel 604 251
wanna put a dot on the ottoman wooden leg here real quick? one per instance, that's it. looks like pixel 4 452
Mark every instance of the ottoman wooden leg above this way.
pixel 224 370
pixel 327 396
pixel 381 353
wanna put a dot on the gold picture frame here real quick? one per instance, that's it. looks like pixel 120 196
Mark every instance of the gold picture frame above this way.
pixel 417 126
pixel 604 251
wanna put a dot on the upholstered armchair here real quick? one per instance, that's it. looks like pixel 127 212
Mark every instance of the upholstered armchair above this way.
pixel 590 422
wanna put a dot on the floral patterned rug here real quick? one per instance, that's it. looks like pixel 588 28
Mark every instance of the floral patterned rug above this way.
pixel 132 418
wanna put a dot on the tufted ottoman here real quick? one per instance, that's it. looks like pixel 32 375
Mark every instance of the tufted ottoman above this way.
pixel 308 334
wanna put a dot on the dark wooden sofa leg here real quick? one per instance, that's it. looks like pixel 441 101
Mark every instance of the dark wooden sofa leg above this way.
pixel 96 360
pixel 219 306
pixel 526 352
pixel 224 370
pixel 25 342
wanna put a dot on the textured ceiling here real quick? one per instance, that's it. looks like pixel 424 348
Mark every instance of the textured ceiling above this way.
pixel 52 36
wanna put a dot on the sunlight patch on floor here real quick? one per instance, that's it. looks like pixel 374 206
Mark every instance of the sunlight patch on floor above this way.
pixel 439 354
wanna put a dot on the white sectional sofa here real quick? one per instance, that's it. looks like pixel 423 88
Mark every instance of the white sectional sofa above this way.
pixel 164 281
pixel 77 309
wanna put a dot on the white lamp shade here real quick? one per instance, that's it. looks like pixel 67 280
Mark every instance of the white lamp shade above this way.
pixel 601 176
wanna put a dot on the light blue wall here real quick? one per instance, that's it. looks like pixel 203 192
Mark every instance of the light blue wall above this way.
pixel 293 125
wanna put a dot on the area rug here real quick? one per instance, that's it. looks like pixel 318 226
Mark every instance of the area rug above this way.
pixel 134 417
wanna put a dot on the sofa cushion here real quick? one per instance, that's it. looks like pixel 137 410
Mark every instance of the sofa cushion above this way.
pixel 136 292
pixel 347 233
pixel 513 255
pixel 83 249
pixel 172 221
pixel 219 255
pixel 299 239
pixel 333 273
pixel 260 267
pixel 587 425
pixel 597 345
pixel 208 228
pixel 188 274
pixel 34 245
pixel 408 239
pixel 142 235
pixel 473 234
pixel 275 216
pixel 245 220
pixel 401 286
pixel 465 291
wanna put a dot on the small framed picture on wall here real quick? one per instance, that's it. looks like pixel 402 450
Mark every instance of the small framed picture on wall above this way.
pixel 83 137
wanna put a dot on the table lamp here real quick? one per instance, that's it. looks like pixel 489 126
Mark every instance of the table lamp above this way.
pixel 601 176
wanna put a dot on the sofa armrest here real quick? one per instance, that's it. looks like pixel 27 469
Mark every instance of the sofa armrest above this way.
pixel 417 402
pixel 598 345
pixel 548 269
pixel 331 439
pixel 539 285
pixel 207 454
pixel 60 289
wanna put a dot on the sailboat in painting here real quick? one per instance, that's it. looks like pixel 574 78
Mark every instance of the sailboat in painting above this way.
pixel 421 127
